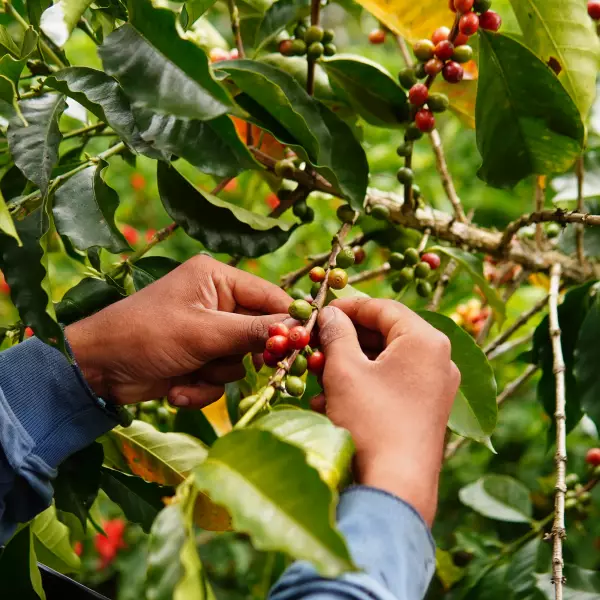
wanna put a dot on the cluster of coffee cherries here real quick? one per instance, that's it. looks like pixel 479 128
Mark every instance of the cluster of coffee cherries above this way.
pixel 413 266
pixel 286 169
pixel 312 41
pixel 500 273
pixel 471 316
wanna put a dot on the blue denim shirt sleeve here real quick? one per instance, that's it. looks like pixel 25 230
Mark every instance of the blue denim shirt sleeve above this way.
pixel 47 413
pixel 388 541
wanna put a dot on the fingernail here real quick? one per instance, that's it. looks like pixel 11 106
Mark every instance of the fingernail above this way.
pixel 181 401
pixel 326 315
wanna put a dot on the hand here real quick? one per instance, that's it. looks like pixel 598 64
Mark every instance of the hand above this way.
pixel 183 337
pixel 396 406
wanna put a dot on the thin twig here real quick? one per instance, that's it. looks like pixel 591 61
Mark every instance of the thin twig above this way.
pixel 580 229
pixel 300 193
pixel 234 15
pixel 441 286
pixel 424 240
pixel 403 46
pixel 539 197
pixel 160 236
pixel 370 274
pixel 315 19
pixel 510 345
pixel 84 130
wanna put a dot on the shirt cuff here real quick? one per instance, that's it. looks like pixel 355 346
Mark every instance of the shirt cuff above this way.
pixel 47 401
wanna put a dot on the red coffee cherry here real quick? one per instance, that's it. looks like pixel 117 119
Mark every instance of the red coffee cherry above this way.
pixel 377 36
pixel 298 338
pixel 491 20
pixel 418 94
pixel 433 260
pixel 286 47
pixel 270 359
pixel 278 345
pixel 278 329
pixel 594 9
pixel 469 23
pixel 425 120
pixel 451 5
pixel 317 274
pixel 453 72
pixel 591 458
pixel 433 66
pixel 444 50
pixel 359 255
pixel 28 332
pixel 463 6
pixel 460 40
pixel 316 362
pixel 440 34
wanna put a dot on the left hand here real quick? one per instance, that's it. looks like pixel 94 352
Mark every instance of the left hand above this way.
pixel 183 336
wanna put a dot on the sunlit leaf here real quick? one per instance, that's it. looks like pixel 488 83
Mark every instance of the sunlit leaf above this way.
pixel 58 21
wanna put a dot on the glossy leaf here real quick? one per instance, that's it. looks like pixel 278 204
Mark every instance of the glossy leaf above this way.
pixel 139 500
pixel 7 44
pixel 34 145
pixel 475 410
pixel 369 89
pixel 219 225
pixel 499 497
pixel 84 210
pixel 521 132
pixel 150 268
pixel 193 10
pixel 581 584
pixel 58 21
pixel 561 33
pixel 462 98
pixel 7 225
pixel 10 72
pixel 164 72
pixel 259 478
pixel 84 299
pixel 194 423
pixel 277 18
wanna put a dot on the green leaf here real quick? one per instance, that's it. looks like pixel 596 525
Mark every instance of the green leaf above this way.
pixel 279 15
pixel 475 410
pixel 193 10
pixel 140 500
pixel 164 72
pixel 499 497
pixel 561 33
pixel 84 210
pixel 582 584
pixel 52 543
pixel 34 146
pixel 474 267
pixel 147 270
pixel 76 485
pixel 10 71
pixel 328 448
pixel 84 299
pixel 521 132
pixel 369 89
pixel 7 224
pixel 58 21
pixel 194 423
pixel 7 44
pixel 219 225
pixel 445 569
pixel 260 479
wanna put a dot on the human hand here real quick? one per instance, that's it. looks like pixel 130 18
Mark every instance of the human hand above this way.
pixel 183 337
pixel 396 406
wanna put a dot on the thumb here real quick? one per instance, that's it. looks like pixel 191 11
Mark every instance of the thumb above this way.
pixel 337 335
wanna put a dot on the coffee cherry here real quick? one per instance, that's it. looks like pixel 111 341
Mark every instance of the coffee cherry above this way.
pixel 337 279
pixel 439 35
pixel 490 20
pixel 345 258
pixel 297 294
pixel 411 256
pixel 29 332
pixel 300 209
pixel 412 133
pixel 298 338
pixel 433 260
pixel 294 386
pixel 299 47
pixel 345 213
pixel 377 36
pixel 416 191
pixel 462 54
pixel 422 270
pixel 278 345
pixel 438 102
pixel 405 149
pixel 444 50
pixel 286 47
pixel 451 5
pixel 309 215
pixel 285 168
pixel 359 255
pixel 468 24
pixel 313 34
pixel 315 51
pixel 316 362
pixel 278 329
pixel 298 366
pixel 571 479
pixel 317 274
pixel 328 35
pixel 405 175
pixel 149 407
pixel 406 275
pixel 463 6
pixel 399 284
pixel 461 39
pixel 162 415
pixel 300 30
pixel 552 230
pixel 425 120
pixel 418 94
pixel 423 50
pixel 314 290
pixel 407 78
pixel 247 403
pixel 300 309
pixel 593 457
pixel 424 289
pixel 329 49
pixel 270 359
pixel 396 261
pixel 453 72
pixel 433 67
pixel 482 5
pixel 380 212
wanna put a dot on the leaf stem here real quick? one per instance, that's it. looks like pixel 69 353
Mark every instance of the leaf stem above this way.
pixel 85 130
pixel 315 19
pixel 580 229
pixel 539 196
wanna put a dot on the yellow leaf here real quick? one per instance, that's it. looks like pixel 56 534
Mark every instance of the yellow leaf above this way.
pixel 462 98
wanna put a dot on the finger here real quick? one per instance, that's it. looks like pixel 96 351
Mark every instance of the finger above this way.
pixel 370 341
pixel 195 396
pixel 222 371
pixel 338 336
pixel 318 404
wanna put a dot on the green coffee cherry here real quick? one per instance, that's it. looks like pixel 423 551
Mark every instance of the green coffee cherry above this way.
pixel 438 102
pixel 345 213
pixel 285 168
pixel 407 78
pixel 380 212
pixel 420 72
pixel 328 36
pixel 405 176
pixel 299 47
pixel 396 261
pixel 405 149
pixel 462 54
pixel 329 49
pixel 411 256
pixel 399 284
pixel 345 258
pixel 300 31
pixel 482 5
pixel 424 50
pixel 572 479
pixel 584 498
pixel 553 230
pixel 314 290
pixel 313 34
pixel 297 294
pixel 300 209
pixel 570 503
pixel 416 190
pixel 412 133
pixel 299 365
pixel 422 270
pixel 246 404
pixel 309 215
pixel 315 51
pixel 149 407
pixel 424 289
pixel 162 414
pixel 406 275
pixel 300 309
pixel 294 386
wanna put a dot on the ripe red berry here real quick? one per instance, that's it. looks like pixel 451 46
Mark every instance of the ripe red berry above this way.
pixel 286 47
pixel 433 260
pixel 425 120
pixel 491 20
pixel 594 9
pixel 28 332
pixel 463 6
pixel 440 34
pixel 469 23
pixel 298 338
pixel 433 66
pixel 460 40
pixel 377 36
pixel 277 345
pixel 317 274
pixel 359 255
pixel 278 329
pixel 270 359
pixel 130 234
pixel 451 5
pixel 444 50
pixel 316 362
pixel 418 94
pixel 591 458
pixel 453 72
pixel 4 287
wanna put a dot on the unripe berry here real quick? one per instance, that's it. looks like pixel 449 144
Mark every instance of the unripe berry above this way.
pixel 300 209
pixel 490 20
pixel 406 275
pixel 377 36
pixel 247 403
pixel 399 284
pixel 593 457
pixel 317 274
pixel 297 294
pixel 444 50
pixel 396 261
pixel 439 35
pixel 423 50
pixel 424 289
pixel 286 47
pixel 294 386
pixel 413 133
pixel 469 23
pixel 418 94
pixel 433 260
pixel 309 215
pixel 315 51
pixel 420 72
pixel 300 309
pixel 278 329
pixel 299 47
pixel 345 258
pixel 329 49
pixel 313 34
pixel 433 67
pixel 380 212
pixel 328 35
pixel 316 362
pixel 463 6
pixel 337 279
pixel 482 5
pixel 359 255
pixel 407 78
pixel 422 270
pixel 425 120
pixel 438 102
pixel 300 30
pixel 298 366
pixel 270 359
pixel 405 175
pixel 277 345
pixel 298 338
pixel 462 54
pixel 571 479
pixel 345 213
pixel 411 256
pixel 314 290
pixel 416 190
pixel 405 149
pixel 284 168
pixel 453 72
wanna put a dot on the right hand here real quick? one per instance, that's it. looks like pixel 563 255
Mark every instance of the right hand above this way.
pixel 390 381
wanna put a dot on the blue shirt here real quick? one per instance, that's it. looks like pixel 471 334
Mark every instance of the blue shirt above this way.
pixel 47 412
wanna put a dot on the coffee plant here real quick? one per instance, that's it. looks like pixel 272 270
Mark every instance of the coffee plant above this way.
pixel 283 106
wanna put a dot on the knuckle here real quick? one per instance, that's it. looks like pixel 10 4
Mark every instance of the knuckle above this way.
pixel 440 344
pixel 455 374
